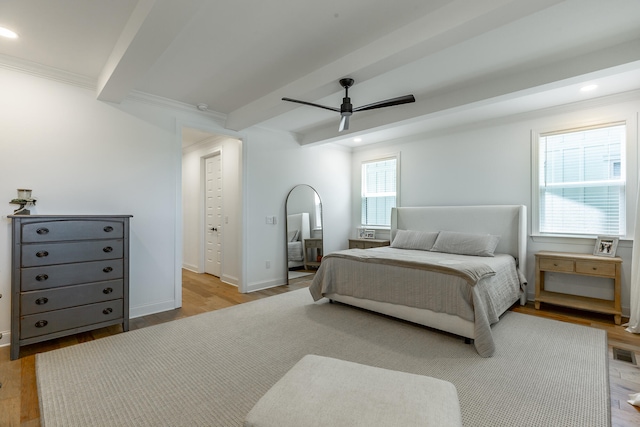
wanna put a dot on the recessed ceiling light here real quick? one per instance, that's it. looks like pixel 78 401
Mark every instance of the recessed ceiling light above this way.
pixel 587 88
pixel 357 139
pixel 5 32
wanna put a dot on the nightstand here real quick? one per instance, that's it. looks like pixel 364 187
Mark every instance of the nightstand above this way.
pixel 583 264
pixel 367 243
pixel 315 246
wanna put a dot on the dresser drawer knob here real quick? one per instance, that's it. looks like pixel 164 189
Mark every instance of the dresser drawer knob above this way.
pixel 41 254
pixel 42 300
pixel 107 249
pixel 555 265
pixel 107 310
pixel 41 323
pixel 42 277
pixel 595 268
pixel 107 290
pixel 108 229
pixel 107 269
pixel 42 231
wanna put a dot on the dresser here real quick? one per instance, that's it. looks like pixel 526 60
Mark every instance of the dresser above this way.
pixel 367 243
pixel 70 274
pixel 585 265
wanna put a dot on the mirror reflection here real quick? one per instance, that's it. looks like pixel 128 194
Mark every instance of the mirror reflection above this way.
pixel 303 211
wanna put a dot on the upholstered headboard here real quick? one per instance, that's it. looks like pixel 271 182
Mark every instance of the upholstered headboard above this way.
pixel 507 221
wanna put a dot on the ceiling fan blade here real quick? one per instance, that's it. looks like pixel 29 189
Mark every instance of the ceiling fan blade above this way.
pixel 387 103
pixel 344 123
pixel 311 104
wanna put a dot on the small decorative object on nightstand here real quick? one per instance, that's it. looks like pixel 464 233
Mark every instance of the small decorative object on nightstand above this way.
pixel 367 243
pixel 586 265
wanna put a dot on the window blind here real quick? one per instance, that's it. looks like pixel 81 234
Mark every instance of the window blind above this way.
pixel 378 191
pixel 582 181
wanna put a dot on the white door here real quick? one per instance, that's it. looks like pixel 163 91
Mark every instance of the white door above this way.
pixel 213 221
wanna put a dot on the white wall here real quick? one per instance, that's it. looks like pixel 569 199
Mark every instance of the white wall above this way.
pixel 82 156
pixel 274 164
pixel 193 192
pixel 490 163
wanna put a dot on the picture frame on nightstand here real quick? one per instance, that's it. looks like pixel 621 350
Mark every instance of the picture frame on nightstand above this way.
pixel 365 233
pixel 606 246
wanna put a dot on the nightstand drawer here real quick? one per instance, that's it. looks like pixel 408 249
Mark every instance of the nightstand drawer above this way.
pixel 560 265
pixel 356 245
pixel 596 268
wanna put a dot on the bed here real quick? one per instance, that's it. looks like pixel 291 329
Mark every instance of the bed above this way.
pixel 298 229
pixel 456 269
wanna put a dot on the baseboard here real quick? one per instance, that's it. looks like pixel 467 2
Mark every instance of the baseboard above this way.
pixel 5 340
pixel 145 310
pixel 230 280
pixel 190 267
pixel 264 285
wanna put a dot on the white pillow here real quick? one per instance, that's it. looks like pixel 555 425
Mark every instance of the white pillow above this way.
pixel 412 239
pixel 466 243
pixel 292 236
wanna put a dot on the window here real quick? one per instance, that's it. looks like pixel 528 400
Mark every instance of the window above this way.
pixel 379 191
pixel 581 181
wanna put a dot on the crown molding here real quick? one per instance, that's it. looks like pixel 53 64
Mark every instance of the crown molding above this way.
pixel 46 72
pixel 160 101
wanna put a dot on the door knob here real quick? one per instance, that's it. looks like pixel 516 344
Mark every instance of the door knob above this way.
pixel 214 229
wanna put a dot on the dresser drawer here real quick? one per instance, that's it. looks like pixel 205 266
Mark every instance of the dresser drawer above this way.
pixel 561 265
pixel 595 268
pixel 52 276
pixel 59 320
pixel 69 296
pixel 60 253
pixel 50 231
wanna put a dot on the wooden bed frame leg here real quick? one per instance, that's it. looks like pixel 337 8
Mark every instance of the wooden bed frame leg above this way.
pixel 330 301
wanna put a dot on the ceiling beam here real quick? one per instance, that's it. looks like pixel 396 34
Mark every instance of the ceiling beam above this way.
pixel 499 87
pixel 151 28
pixel 456 21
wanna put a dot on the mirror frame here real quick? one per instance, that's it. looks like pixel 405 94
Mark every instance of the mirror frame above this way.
pixel 286 226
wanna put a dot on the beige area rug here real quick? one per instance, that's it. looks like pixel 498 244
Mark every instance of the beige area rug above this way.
pixel 210 369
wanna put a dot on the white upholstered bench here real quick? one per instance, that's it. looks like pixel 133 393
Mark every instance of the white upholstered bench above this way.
pixel 321 391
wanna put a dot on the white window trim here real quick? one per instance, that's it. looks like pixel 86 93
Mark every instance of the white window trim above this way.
pixel 631 186
pixel 380 158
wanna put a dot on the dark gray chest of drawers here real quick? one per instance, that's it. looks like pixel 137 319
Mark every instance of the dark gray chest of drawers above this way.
pixel 70 274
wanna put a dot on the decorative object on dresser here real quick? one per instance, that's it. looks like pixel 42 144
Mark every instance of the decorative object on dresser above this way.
pixel 70 274
pixel 24 200
pixel 367 243
pixel 582 264
pixel 606 246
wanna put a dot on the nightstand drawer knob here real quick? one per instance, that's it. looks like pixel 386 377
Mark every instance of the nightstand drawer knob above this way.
pixel 42 277
pixel 41 254
pixel 41 323
pixel 42 301
pixel 107 290
pixel 108 229
pixel 107 269
pixel 107 310
pixel 555 265
pixel 42 231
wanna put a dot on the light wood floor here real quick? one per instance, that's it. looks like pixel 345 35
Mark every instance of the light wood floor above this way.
pixel 202 293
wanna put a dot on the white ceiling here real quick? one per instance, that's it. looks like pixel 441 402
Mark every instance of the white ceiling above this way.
pixel 464 60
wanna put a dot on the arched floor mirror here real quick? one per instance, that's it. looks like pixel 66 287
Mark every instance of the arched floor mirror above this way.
pixel 303 211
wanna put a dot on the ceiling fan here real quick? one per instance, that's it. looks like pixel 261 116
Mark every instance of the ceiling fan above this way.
pixel 346 109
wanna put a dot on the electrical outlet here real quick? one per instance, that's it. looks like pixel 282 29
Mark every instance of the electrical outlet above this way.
pixel 267 264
